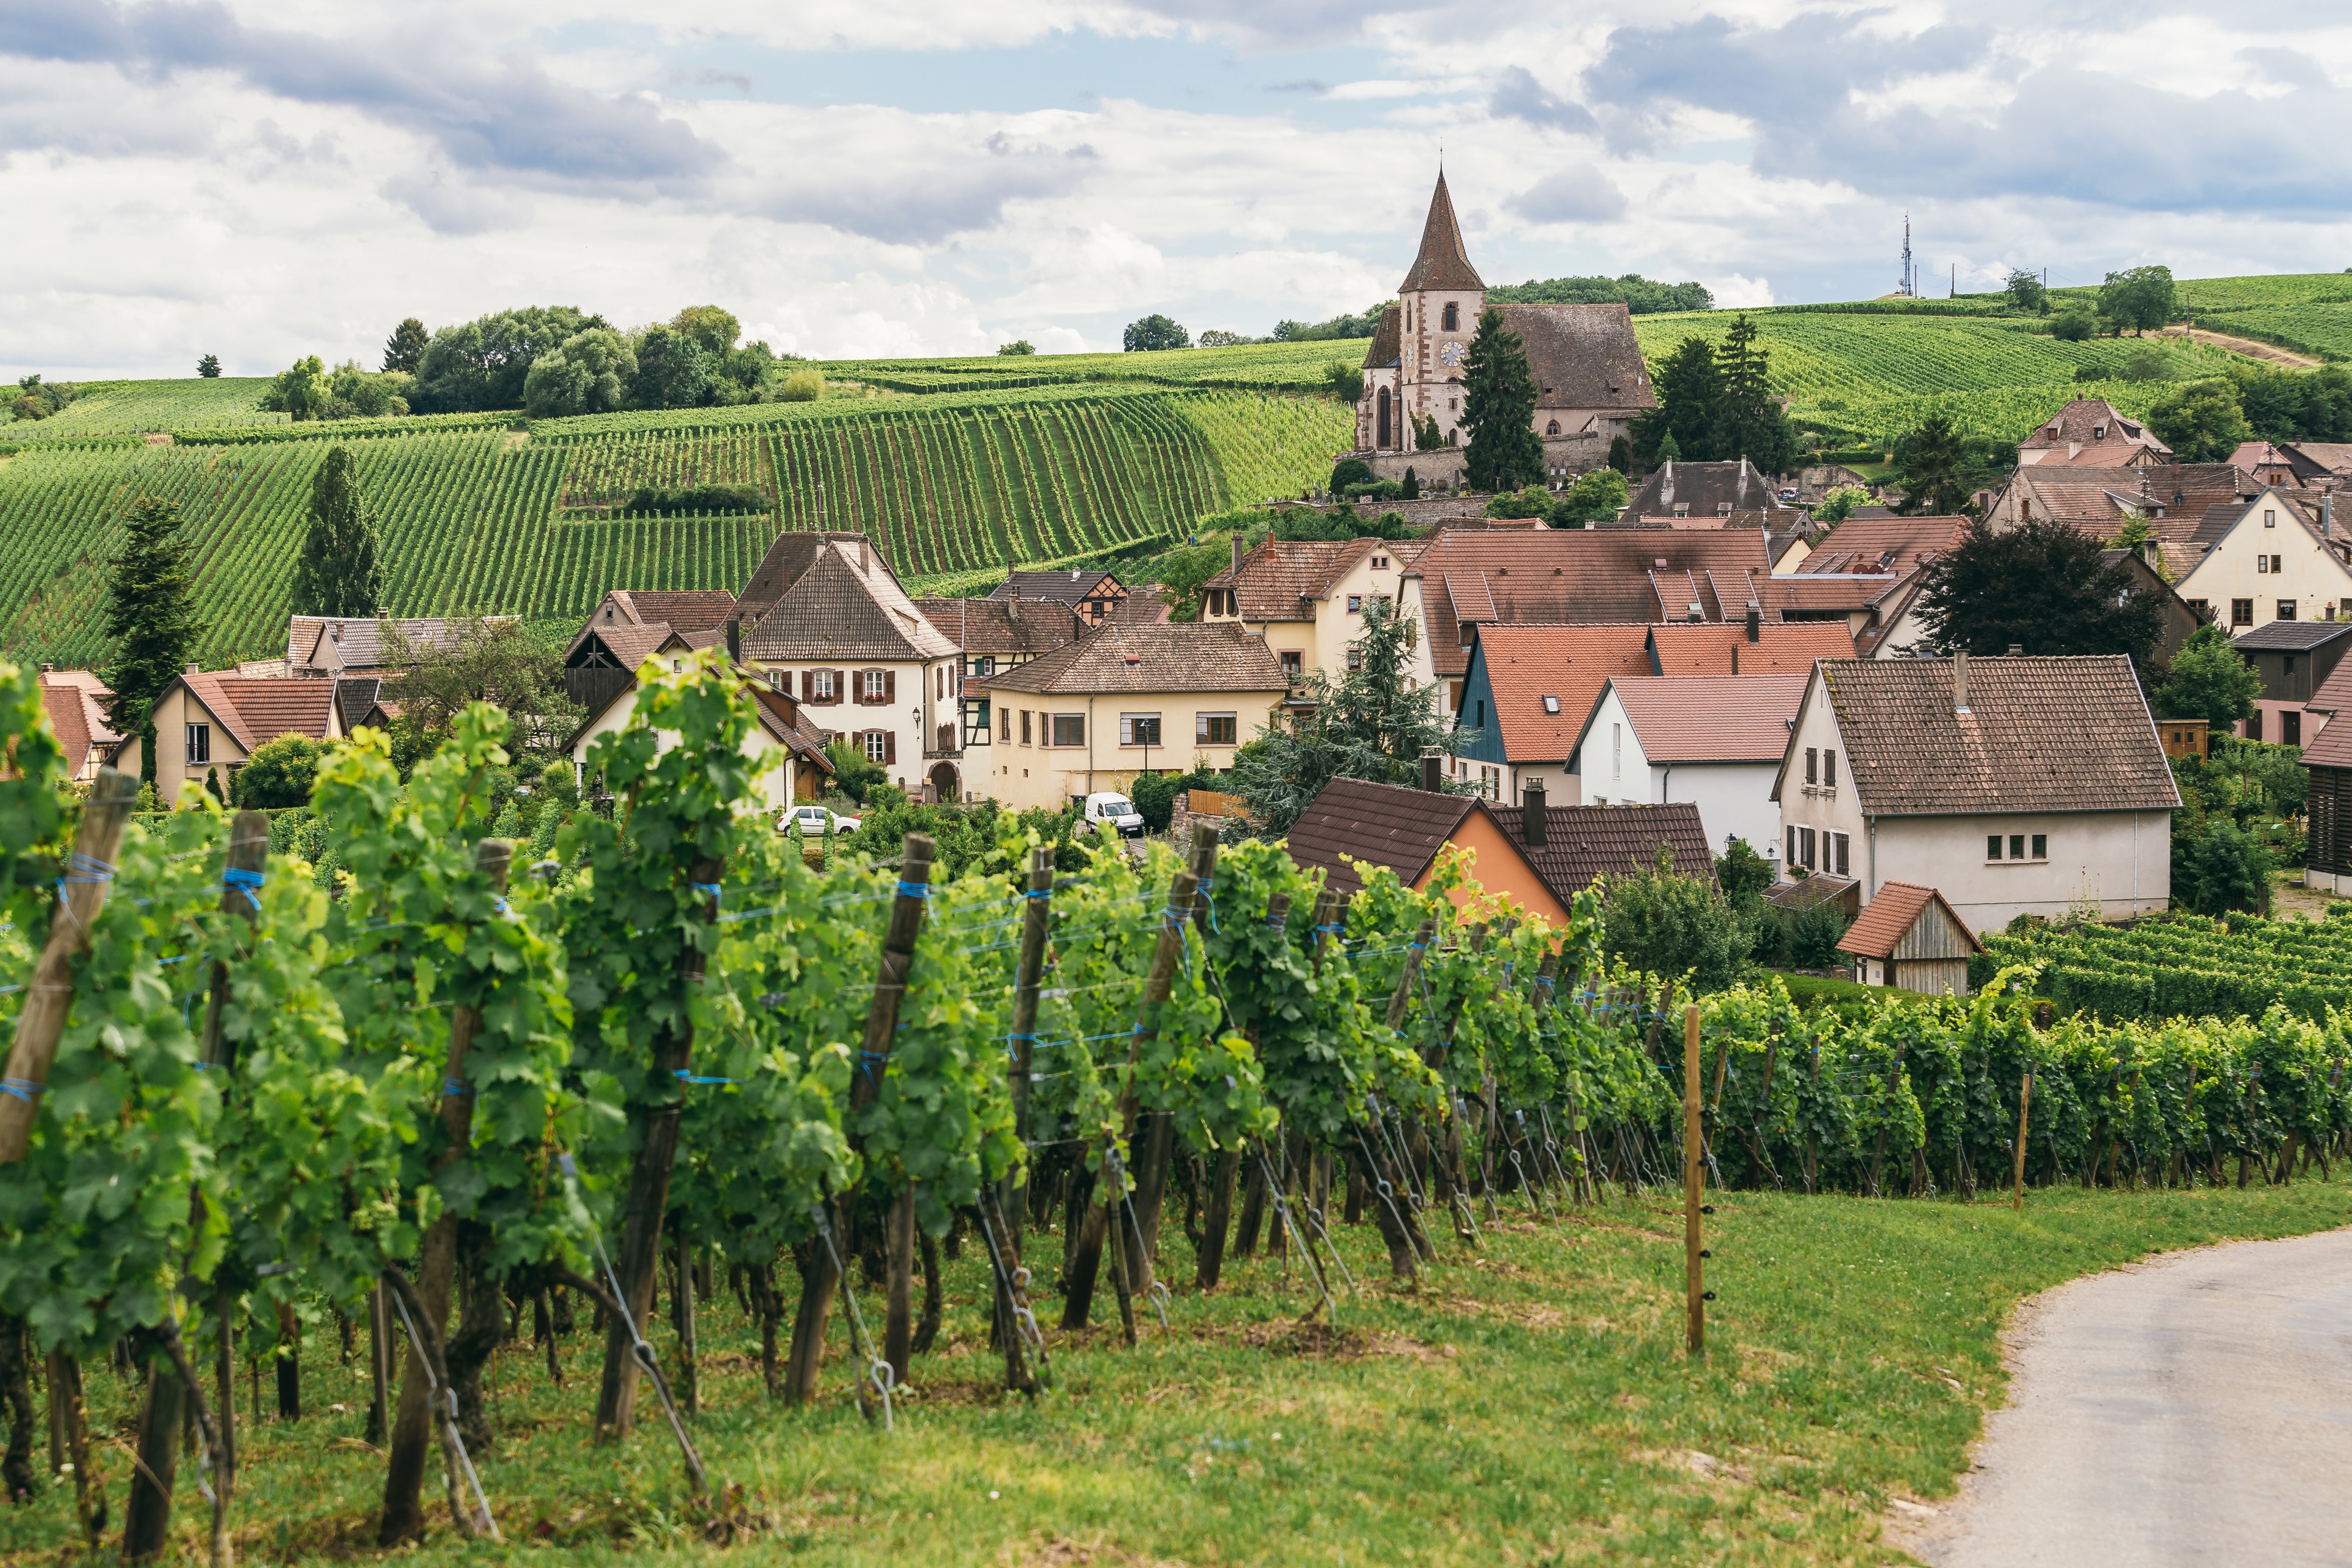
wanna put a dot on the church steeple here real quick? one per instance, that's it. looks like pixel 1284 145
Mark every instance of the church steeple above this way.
pixel 1443 262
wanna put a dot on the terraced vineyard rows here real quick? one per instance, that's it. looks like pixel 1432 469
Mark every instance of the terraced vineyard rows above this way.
pixel 2188 965
pixel 602 474
pixel 107 407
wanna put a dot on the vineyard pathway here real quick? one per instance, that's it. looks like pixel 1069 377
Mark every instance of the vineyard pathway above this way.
pixel 2246 346
pixel 2187 1410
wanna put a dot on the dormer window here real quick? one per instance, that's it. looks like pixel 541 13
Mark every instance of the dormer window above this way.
pixel 1551 705
pixel 2098 432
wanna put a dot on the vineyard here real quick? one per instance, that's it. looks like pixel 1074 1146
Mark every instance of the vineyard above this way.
pixel 489 521
pixel 130 407
pixel 2183 964
pixel 466 1087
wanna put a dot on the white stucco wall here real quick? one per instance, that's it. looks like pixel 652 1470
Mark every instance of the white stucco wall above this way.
pixel 2121 859
pixel 775 785
pixel 2309 573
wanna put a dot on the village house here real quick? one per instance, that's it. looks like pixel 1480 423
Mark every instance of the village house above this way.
pixel 1696 491
pixel 326 647
pixel 2089 433
pixel 2270 558
pixel 1539 856
pixel 2296 660
pixel 2327 807
pixel 784 739
pixel 1591 378
pixel 1307 599
pixel 825 622
pixel 1531 685
pixel 625 627
pixel 1715 740
pixel 1093 596
pixel 206 726
pixel 994 635
pixel 75 702
pixel 2014 786
pixel 1124 700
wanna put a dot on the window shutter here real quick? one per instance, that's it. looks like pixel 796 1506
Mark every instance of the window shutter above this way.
pixel 889 686
pixel 840 678
pixel 890 746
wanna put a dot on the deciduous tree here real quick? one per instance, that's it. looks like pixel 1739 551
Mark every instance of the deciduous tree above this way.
pixel 1154 332
pixel 588 373
pixel 2210 679
pixel 208 366
pixel 2041 587
pixel 2202 421
pixel 2142 298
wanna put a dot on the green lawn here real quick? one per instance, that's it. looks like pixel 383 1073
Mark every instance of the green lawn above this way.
pixel 1531 1404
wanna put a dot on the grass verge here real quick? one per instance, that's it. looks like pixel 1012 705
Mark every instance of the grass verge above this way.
pixel 1530 1403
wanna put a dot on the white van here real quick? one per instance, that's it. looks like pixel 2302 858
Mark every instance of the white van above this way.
pixel 1109 811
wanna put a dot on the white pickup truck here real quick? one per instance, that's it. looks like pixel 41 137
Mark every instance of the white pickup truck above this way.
pixel 1108 811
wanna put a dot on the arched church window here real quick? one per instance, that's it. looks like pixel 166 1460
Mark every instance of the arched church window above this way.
pixel 1453 317
pixel 1552 429
pixel 1384 440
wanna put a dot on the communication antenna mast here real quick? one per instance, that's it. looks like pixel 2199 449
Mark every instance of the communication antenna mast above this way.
pixel 1909 287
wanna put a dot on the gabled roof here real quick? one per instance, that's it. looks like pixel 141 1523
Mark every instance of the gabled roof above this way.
pixel 1582 356
pixel 1214 656
pixel 2092 421
pixel 790 554
pixel 687 609
pixel 1783 648
pixel 782 717
pixel 2040 735
pixel 2324 457
pixel 1388 340
pixel 2291 636
pixel 256 712
pixel 2334 696
pixel 992 626
pixel 2332 747
pixel 1705 489
pixel 1888 918
pixel 1692 719
pixel 355 642
pixel 74 701
pixel 1895 544
pixel 354 695
pixel 846 603
pixel 1074 586
pixel 1443 263
pixel 1275 577
pixel 2221 521
pixel 1385 824
pixel 1581 842
pixel 622 645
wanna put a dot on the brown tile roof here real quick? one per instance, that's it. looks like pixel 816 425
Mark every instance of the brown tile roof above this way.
pixel 1384 825
pixel 257 711
pixel 2083 458
pixel 1443 263
pixel 1276 576
pixel 846 603
pixel 988 626
pixel 2335 693
pixel 2332 747
pixel 1722 647
pixel 2040 734
pixel 1142 606
pixel 1216 656
pixel 2082 420
pixel 1885 919
pixel 2324 457
pixel 1896 544
pixel 75 700
pixel 789 555
pixel 683 609
pixel 622 645
pixel 782 717
pixel 339 642
pixel 1388 340
pixel 1072 587
pixel 1581 842
pixel 1711 718
pixel 1565 575
pixel 1582 356
pixel 354 695
pixel 1705 489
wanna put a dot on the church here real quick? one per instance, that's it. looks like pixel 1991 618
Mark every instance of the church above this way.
pixel 1588 366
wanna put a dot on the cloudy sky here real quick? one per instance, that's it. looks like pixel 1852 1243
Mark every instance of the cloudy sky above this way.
pixel 899 176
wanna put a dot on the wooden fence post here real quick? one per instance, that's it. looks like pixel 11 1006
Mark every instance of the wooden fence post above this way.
pixel 1694 1189
pixel 2025 1102
pixel 1013 1192
pixel 873 1056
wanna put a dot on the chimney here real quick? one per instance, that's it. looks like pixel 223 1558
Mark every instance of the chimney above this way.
pixel 1697 612
pixel 1755 621
pixel 1013 607
pixel 1429 771
pixel 735 640
pixel 1960 681
pixel 2017 650
pixel 864 555
pixel 194 668
pixel 1238 552
pixel 1533 822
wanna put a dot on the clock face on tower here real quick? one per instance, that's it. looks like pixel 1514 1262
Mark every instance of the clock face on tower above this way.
pixel 1452 355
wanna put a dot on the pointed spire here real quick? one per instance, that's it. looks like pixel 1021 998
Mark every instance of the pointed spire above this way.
pixel 1443 263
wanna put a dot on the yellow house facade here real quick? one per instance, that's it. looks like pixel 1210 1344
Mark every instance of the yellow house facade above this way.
pixel 207 725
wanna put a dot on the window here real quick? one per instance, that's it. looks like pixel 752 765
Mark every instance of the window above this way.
pixel 985 666
pixel 2288 660
pixel 1481 705
pixel 1355 657
pixel 2261 564
pixel 1551 704
pixel 2017 846
pixel 1453 322
pixel 938 682
pixel 1025 726
pixel 2287 609
pixel 2254 725
pixel 2278 564
pixel 1380 562
pixel 1812 764
pixel 1069 729
pixel 1138 730
pixel 200 742
pixel 2241 613
pixel 2269 518
pixel 1291 661
pixel 1470 629
pixel 1355 603
pixel 1829 768
pixel 1552 429
pixel 876 684
pixel 1805 848
pixel 1833 854
pixel 1616 750
pixel 2204 608
pixel 2042 847
pixel 877 745
pixel 1992 846
pixel 1216 729
pixel 1005 725
pixel 820 685
pixel 2290 728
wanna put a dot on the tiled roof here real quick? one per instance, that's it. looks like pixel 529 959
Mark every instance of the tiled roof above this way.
pixel 354 695
pixel 2335 693
pixel 1528 662
pixel 1273 578
pixel 1721 648
pixel 2332 747
pixel 2081 457
pixel 782 717
pixel 988 625
pixel 789 555
pixel 1711 718
pixel 625 644
pixel 1142 606
pixel 1705 490
pixel 1896 544
pixel 75 700
pixel 1383 825
pixel 257 711
pixel 1388 340
pixel 2291 636
pixel 1885 919
pixel 2084 419
pixel 1564 576
pixel 1216 656
pixel 845 605
pixel 337 642
pixel 683 609
pixel 1443 263
pixel 1581 842
pixel 2040 734
pixel 2327 456
pixel 1582 356
pixel 1074 586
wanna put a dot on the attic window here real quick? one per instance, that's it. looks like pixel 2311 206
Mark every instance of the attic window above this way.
pixel 1551 704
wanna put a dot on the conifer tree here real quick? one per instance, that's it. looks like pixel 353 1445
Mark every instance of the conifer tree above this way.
pixel 150 615
pixel 405 349
pixel 1498 409
pixel 338 574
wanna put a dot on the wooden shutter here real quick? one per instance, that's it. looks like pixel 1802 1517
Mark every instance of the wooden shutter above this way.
pixel 889 686
pixel 839 677
pixel 890 746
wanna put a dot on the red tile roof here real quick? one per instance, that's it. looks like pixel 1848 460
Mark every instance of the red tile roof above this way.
pixel 1581 842
pixel 1711 718
pixel 2092 420
pixel 1442 263
pixel 75 700
pixel 1886 918
pixel 256 712
pixel 1721 648
pixel 1896 544
pixel 1274 580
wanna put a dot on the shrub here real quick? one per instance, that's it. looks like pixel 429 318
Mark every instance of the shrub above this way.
pixel 278 774
pixel 808 386
pixel 1673 925
pixel 698 499
pixel 852 776
pixel 2073 325
pixel 1350 471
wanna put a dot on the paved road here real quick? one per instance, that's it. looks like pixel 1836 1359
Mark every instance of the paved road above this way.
pixel 2196 1410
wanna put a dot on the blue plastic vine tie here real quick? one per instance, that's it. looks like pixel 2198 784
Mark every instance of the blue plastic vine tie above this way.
pixel 1038 893
pixel 456 1089
pixel 24 1089
pixel 865 1060
pixel 913 889
pixel 683 1075
pixel 80 867
pixel 236 877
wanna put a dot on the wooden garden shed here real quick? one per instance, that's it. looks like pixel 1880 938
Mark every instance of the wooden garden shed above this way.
pixel 1909 938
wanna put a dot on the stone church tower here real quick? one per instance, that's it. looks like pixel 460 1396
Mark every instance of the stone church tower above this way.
pixel 1589 370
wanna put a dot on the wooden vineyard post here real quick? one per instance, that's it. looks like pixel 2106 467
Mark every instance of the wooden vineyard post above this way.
pixel 1013 1192
pixel 1150 1161
pixel 881 1027
pixel 148 1515
pixel 1694 1188
pixel 2024 1102
pixel 1086 1262
pixel 81 895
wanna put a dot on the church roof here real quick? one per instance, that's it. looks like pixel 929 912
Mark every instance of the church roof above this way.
pixel 1443 262
pixel 1582 356
pixel 1387 342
